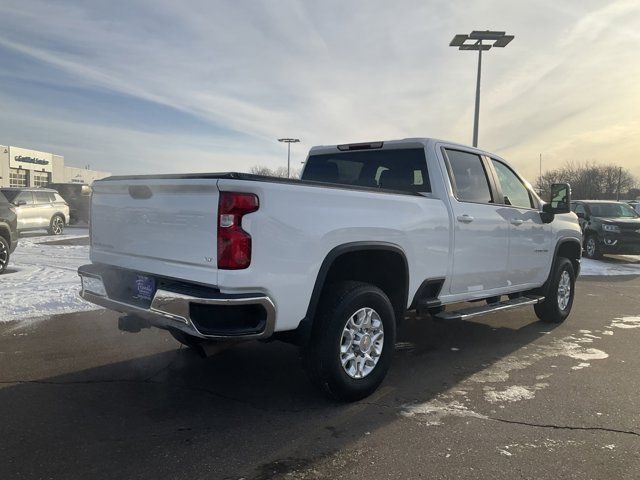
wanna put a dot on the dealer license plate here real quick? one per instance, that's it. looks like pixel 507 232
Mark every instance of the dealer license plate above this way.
pixel 144 287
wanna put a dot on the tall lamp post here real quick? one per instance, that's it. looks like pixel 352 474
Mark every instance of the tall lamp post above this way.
pixel 289 141
pixel 474 41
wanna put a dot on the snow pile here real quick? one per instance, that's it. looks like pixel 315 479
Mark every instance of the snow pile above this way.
pixel 42 279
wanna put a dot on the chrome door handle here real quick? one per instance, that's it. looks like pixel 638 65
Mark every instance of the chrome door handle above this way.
pixel 465 218
pixel 517 221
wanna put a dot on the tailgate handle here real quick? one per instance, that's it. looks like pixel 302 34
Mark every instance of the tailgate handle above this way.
pixel 140 191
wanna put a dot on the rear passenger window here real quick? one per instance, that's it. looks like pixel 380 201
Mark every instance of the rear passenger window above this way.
pixel 469 178
pixel 42 197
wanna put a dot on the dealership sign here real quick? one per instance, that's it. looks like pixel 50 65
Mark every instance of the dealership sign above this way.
pixel 30 159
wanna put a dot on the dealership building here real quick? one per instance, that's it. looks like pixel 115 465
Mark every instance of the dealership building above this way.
pixel 21 167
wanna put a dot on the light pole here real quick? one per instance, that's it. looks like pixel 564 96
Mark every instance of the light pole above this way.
pixel 289 141
pixel 474 41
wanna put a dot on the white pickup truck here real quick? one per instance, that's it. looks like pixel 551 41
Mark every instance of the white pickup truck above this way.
pixel 332 261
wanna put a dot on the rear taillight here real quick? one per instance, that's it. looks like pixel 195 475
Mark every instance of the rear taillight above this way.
pixel 234 244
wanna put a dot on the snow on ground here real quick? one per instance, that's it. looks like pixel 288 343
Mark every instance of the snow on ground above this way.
pixel 42 279
pixel 614 265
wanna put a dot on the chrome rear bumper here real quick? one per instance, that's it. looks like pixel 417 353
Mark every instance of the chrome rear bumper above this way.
pixel 171 310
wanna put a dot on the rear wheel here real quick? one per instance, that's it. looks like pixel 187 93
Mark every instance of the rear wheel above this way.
pixel 4 254
pixel 557 305
pixel 56 226
pixel 591 248
pixel 352 341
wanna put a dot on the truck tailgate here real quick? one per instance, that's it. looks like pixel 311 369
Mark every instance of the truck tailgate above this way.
pixel 155 225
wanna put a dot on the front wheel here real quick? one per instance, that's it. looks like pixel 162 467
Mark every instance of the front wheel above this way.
pixel 557 305
pixel 591 248
pixel 56 226
pixel 352 341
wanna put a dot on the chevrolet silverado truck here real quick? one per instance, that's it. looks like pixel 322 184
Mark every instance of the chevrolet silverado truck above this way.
pixel 334 260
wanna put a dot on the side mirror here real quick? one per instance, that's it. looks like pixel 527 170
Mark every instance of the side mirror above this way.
pixel 580 215
pixel 560 198
pixel 19 203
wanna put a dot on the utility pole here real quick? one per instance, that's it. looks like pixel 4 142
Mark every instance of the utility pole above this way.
pixel 540 177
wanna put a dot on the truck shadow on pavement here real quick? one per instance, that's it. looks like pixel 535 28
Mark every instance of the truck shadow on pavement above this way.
pixel 247 412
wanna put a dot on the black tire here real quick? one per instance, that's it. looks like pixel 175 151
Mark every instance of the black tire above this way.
pixel 4 254
pixel 551 310
pixel 591 247
pixel 321 356
pixel 56 225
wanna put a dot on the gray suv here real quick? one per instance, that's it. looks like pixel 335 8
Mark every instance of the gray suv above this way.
pixel 38 208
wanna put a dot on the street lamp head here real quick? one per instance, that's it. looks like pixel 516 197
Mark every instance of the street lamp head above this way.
pixel 289 140
pixel 481 40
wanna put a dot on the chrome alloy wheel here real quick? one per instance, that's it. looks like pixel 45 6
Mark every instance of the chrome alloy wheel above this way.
pixel 4 255
pixel 564 290
pixel 57 226
pixel 361 343
pixel 591 246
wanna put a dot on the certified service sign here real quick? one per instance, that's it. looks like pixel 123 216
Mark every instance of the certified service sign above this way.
pixel 30 159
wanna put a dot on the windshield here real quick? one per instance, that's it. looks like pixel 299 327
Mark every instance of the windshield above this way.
pixel 10 194
pixel 612 210
pixel 402 169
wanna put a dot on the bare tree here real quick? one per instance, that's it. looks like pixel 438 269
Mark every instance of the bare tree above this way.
pixel 590 181
pixel 280 172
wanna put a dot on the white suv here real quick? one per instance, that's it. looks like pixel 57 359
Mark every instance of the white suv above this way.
pixel 39 208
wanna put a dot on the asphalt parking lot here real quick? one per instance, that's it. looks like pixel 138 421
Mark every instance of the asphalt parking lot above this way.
pixel 501 397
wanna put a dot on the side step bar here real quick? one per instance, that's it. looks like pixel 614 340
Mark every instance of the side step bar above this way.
pixel 471 312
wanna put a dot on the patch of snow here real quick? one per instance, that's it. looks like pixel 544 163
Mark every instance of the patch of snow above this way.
pixel 619 265
pixel 608 332
pixel 506 453
pixel 565 347
pixel 609 447
pixel 455 349
pixel 514 393
pixel 434 411
pixel 580 366
pixel 42 279
pixel 626 322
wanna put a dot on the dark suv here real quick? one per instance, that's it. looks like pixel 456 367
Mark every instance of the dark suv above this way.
pixel 8 233
pixel 608 227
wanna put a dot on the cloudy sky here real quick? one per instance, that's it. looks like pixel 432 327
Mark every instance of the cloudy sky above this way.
pixel 162 86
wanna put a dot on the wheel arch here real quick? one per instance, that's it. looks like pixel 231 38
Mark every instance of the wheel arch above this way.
pixel 59 214
pixel 570 248
pixel 347 262
pixel 5 232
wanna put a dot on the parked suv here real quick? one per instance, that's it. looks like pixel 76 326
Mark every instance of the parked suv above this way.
pixel 8 233
pixel 38 208
pixel 608 227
